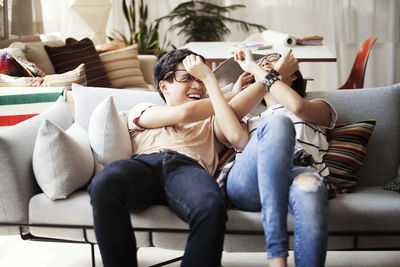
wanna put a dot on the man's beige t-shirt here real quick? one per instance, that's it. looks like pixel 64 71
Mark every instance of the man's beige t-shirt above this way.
pixel 196 140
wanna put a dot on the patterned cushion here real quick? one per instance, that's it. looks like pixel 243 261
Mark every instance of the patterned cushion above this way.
pixel 29 67
pixel 395 185
pixel 123 68
pixel 63 80
pixel 10 66
pixel 35 52
pixel 19 104
pixel 346 153
pixel 68 57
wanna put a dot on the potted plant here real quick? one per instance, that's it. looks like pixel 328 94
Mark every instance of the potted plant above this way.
pixel 203 21
pixel 146 37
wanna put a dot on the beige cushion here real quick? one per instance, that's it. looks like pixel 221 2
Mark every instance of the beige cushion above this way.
pixel 35 52
pixel 108 135
pixel 56 80
pixel 62 160
pixel 123 68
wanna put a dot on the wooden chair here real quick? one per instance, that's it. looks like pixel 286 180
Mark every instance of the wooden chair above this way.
pixel 356 77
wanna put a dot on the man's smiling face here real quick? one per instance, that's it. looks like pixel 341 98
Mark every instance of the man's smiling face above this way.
pixel 183 88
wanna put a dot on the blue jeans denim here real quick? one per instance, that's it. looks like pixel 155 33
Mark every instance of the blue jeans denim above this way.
pixel 263 178
pixel 131 185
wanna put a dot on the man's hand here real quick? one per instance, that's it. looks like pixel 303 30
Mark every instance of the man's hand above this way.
pixel 195 66
pixel 287 65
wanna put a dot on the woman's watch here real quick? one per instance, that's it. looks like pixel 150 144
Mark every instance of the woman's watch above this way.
pixel 270 78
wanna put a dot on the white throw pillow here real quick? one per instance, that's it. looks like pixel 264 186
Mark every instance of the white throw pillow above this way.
pixel 108 135
pixel 62 160
pixel 87 98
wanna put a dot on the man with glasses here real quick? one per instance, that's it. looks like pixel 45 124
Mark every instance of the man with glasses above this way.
pixel 176 150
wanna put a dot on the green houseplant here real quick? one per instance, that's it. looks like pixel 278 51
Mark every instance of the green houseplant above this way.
pixel 145 36
pixel 203 21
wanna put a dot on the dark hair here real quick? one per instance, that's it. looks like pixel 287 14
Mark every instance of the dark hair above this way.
pixel 299 85
pixel 167 63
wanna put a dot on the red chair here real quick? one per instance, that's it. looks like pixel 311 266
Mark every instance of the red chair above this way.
pixel 356 77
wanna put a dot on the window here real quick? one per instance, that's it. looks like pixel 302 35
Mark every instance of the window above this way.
pixel 19 18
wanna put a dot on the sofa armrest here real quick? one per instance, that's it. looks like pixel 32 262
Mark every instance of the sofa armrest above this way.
pixel 147 63
pixel 17 180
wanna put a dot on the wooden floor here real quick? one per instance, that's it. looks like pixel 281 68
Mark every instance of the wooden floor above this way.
pixel 15 252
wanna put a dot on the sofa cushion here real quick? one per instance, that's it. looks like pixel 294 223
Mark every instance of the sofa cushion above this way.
pixel 346 153
pixel 123 68
pixel 382 103
pixel 62 160
pixel 14 52
pixel 108 135
pixel 20 103
pixel 35 52
pixel 74 211
pixel 87 98
pixel 68 57
pixel 10 66
pixel 65 80
pixel 16 149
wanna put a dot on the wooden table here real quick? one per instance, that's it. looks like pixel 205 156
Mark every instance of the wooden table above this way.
pixel 220 51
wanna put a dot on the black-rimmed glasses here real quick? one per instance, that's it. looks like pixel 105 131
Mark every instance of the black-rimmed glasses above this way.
pixel 270 58
pixel 181 76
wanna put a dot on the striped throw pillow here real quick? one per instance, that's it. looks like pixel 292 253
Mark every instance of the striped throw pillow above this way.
pixel 346 153
pixel 21 103
pixel 70 56
pixel 62 80
pixel 123 67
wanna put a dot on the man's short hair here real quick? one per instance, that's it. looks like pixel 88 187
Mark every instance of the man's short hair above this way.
pixel 167 63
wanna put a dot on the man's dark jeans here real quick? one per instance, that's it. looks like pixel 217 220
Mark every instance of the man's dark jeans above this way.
pixel 131 185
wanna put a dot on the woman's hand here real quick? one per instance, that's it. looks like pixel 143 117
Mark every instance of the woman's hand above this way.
pixel 245 59
pixel 244 80
pixel 287 65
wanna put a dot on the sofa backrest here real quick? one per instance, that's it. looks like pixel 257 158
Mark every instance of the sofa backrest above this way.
pixel 383 104
pixel 86 100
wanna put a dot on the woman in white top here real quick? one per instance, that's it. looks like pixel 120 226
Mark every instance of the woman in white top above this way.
pixel 281 168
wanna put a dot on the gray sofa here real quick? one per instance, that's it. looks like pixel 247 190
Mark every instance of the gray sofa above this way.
pixel 367 219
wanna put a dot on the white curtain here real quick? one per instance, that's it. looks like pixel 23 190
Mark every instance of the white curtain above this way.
pixel 24 17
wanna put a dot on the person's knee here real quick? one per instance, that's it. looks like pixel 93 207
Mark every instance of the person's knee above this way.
pixel 212 208
pixel 103 184
pixel 308 182
pixel 279 123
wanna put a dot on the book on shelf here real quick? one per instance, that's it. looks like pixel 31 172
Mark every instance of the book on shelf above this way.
pixel 310 40
pixel 252 46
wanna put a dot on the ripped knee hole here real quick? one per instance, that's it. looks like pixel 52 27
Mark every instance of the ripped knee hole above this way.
pixel 307 182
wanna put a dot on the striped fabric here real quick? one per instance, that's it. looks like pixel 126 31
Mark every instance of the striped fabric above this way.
pixel 19 104
pixel 226 156
pixel 123 68
pixel 68 57
pixel 346 153
pixel 55 80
